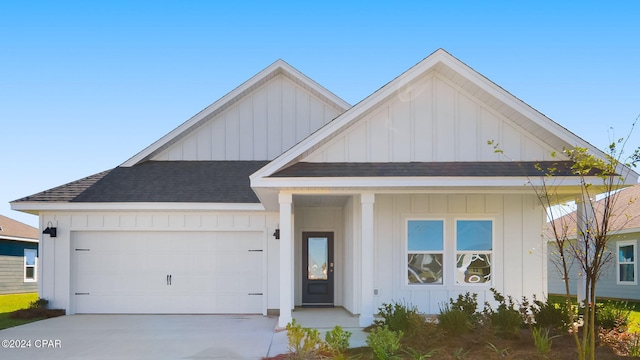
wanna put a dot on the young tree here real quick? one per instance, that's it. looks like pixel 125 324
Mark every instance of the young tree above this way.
pixel 581 238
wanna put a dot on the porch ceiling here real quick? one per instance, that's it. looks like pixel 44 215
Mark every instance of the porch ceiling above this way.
pixel 320 200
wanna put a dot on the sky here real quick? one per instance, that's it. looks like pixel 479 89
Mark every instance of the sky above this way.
pixel 85 85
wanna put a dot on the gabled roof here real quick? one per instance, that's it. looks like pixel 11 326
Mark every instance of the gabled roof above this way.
pixel 14 230
pixel 161 181
pixel 466 78
pixel 277 68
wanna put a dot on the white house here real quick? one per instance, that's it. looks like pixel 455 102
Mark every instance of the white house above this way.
pixel 280 195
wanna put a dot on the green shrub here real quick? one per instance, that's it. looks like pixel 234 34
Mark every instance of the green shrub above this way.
pixel 304 343
pixel 39 304
pixel 337 341
pixel 384 343
pixel 400 317
pixel 468 304
pixel 506 320
pixel 613 314
pixel 548 314
pixel 454 321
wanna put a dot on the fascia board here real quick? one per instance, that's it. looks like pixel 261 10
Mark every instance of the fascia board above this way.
pixel 395 182
pixel 134 206
pixel 14 238
pixel 278 65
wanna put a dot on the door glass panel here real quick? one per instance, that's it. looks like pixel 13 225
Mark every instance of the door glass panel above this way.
pixel 318 250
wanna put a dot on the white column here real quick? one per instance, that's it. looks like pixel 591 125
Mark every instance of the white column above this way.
pixel 584 220
pixel 366 272
pixel 286 243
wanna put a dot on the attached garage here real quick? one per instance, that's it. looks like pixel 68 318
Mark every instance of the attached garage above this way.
pixel 168 272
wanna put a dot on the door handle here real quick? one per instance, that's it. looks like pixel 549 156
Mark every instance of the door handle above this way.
pixel 330 267
pixel 168 279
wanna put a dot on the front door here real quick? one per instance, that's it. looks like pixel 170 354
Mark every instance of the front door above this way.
pixel 317 268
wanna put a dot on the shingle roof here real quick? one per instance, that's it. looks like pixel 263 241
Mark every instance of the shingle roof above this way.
pixel 485 168
pixel 13 228
pixel 162 181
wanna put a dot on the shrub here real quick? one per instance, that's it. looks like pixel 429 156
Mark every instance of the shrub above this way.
pixel 39 304
pixel 612 314
pixel 384 343
pixel 454 321
pixel 506 320
pixel 304 343
pixel 337 341
pixel 548 314
pixel 400 317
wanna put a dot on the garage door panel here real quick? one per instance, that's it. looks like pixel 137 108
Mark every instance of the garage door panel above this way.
pixel 127 272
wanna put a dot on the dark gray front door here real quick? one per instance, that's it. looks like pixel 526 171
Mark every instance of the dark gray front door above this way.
pixel 317 268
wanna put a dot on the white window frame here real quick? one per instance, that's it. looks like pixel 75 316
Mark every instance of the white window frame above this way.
pixel 442 252
pixel 34 266
pixel 491 252
pixel 620 244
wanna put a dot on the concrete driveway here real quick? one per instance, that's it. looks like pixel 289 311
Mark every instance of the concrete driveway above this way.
pixel 90 337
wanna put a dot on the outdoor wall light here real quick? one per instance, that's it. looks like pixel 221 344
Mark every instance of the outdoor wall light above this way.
pixel 276 234
pixel 51 230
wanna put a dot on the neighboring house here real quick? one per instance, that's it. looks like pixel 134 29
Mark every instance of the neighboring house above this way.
pixel 280 194
pixel 619 279
pixel 18 257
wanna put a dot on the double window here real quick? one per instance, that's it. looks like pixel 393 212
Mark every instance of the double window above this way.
pixel 429 263
pixel 30 259
pixel 626 259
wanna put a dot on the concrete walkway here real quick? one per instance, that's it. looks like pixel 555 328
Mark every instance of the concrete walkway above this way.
pixel 92 337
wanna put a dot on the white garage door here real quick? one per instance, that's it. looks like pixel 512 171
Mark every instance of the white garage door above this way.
pixel 168 272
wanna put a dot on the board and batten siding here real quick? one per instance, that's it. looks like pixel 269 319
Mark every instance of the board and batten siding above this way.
pixel 519 257
pixel 431 120
pixel 261 126
pixel 607 286
pixel 12 267
pixel 55 253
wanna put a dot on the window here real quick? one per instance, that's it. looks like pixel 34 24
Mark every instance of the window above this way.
pixel 30 258
pixel 425 248
pixel 626 260
pixel 474 246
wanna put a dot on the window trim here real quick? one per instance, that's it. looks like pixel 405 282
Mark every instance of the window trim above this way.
pixel 482 252
pixel 619 244
pixel 34 266
pixel 442 252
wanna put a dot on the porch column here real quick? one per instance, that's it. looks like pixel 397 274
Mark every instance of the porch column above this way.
pixel 366 310
pixel 286 243
pixel 584 221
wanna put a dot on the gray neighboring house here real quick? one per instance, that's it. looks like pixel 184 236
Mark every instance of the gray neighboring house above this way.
pixel 620 278
pixel 18 257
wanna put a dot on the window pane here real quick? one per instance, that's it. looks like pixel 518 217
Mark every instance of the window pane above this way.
pixel 317 258
pixel 29 273
pixel 30 257
pixel 626 272
pixel 424 268
pixel 626 253
pixel 425 235
pixel 473 268
pixel 474 235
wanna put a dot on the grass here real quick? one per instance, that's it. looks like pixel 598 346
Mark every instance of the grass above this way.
pixel 11 303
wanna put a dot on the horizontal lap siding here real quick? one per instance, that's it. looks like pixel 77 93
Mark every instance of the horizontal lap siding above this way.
pixel 12 276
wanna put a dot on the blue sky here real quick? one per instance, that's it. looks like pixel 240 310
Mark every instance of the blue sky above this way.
pixel 86 85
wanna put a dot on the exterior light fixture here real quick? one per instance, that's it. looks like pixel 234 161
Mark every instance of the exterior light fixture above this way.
pixel 51 230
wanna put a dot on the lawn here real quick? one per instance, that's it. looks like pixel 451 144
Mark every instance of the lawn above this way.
pixel 11 303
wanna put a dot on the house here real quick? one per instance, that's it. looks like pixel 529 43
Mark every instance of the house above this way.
pixel 280 194
pixel 619 279
pixel 18 257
